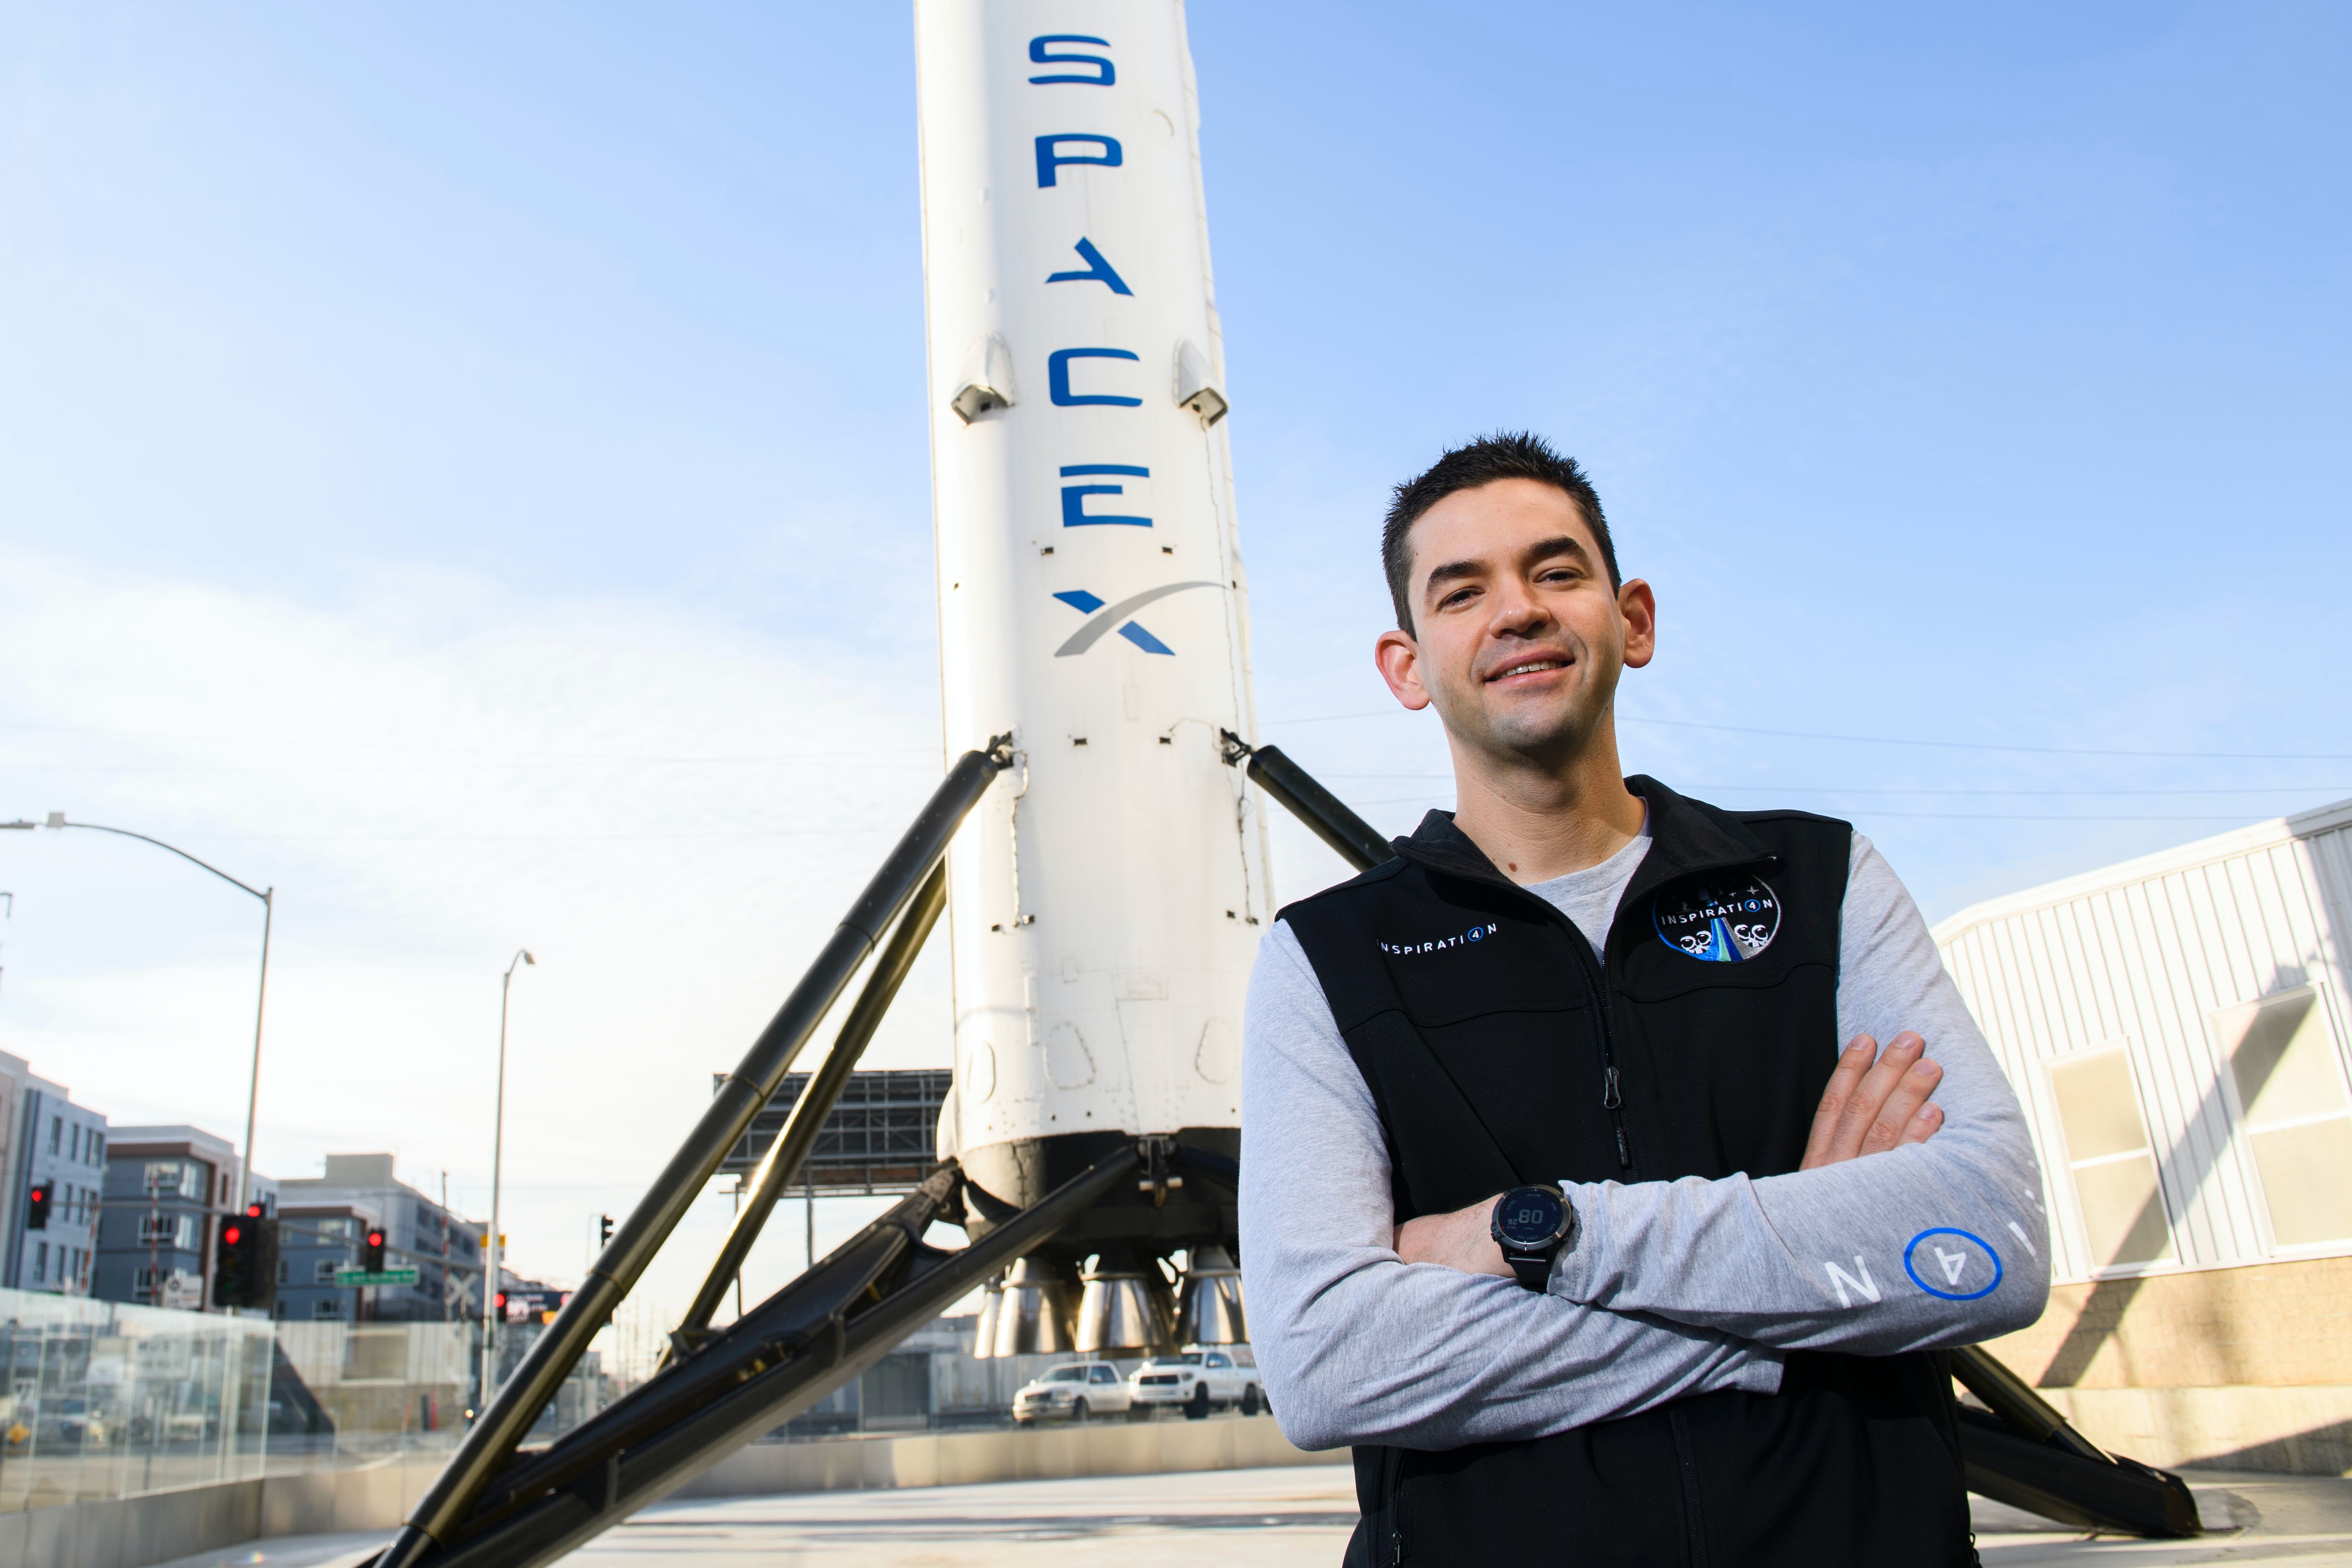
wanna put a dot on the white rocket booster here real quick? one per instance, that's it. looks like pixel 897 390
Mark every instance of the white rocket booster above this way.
pixel 1107 897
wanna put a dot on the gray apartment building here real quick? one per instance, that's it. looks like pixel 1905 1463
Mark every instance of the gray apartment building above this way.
pixel 15 1077
pixel 322 1222
pixel 167 1190
pixel 57 1150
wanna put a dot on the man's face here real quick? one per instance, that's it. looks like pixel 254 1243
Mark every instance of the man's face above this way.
pixel 1517 639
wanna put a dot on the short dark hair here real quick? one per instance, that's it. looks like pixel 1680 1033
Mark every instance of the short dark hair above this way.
pixel 1506 455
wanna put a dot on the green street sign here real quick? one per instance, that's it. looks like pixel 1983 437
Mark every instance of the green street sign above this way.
pixel 376 1277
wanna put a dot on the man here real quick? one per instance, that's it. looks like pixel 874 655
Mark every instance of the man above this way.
pixel 1599 1022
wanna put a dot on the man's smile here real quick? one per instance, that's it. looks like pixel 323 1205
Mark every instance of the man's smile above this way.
pixel 1525 671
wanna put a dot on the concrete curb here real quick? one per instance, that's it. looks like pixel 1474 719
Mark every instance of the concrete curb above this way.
pixel 966 1459
pixel 131 1532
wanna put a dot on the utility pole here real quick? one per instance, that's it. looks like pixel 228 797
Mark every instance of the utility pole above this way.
pixel 496 1244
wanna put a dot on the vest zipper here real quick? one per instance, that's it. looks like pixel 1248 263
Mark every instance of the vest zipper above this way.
pixel 1392 1463
pixel 1693 1525
pixel 1613 1098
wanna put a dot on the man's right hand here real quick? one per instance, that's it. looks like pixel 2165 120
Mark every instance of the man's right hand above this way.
pixel 1876 1102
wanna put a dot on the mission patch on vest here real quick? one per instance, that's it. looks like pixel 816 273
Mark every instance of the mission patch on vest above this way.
pixel 1724 920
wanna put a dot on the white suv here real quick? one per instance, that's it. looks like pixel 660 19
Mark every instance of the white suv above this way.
pixel 1204 1378
pixel 1072 1393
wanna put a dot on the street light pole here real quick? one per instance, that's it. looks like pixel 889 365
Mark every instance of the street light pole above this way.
pixel 268 896
pixel 498 1171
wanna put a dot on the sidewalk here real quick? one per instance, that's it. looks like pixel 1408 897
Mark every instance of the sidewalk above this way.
pixel 1288 1518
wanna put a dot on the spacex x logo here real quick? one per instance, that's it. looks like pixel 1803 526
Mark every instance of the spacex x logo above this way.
pixel 1102 617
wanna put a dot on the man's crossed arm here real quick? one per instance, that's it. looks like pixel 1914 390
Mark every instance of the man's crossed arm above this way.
pixel 1875 1101
pixel 1926 1244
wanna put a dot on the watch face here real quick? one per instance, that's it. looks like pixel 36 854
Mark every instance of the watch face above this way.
pixel 1530 1217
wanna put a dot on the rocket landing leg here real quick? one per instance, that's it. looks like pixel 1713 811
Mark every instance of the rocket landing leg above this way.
pixel 499 1506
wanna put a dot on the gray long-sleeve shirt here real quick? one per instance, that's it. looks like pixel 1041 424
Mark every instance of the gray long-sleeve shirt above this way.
pixel 1672 1289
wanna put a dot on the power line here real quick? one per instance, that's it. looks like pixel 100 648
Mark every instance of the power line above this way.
pixel 2022 816
pixel 382 746
pixel 1859 789
pixel 1922 816
pixel 521 837
pixel 1899 740
pixel 827 760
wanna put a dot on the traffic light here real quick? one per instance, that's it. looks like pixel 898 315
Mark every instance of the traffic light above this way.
pixel 372 1251
pixel 604 1230
pixel 245 1261
pixel 37 1208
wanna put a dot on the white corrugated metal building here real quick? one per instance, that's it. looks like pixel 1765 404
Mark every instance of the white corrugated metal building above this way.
pixel 2176 1028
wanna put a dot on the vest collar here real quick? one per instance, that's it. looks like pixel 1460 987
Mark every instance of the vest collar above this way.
pixel 1685 836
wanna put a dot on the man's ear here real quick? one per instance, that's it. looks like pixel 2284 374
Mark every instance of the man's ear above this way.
pixel 1640 608
pixel 1399 658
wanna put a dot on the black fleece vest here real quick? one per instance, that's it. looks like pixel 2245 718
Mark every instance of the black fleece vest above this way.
pixel 1499 1052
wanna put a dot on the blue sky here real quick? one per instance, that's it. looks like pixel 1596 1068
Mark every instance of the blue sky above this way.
pixel 418 431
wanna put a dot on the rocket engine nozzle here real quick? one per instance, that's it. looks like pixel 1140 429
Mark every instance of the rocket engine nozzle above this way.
pixel 1029 1314
pixel 1209 1300
pixel 1124 1309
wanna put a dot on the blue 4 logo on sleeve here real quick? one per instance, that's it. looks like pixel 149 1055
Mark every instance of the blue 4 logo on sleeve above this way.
pixel 1957 1265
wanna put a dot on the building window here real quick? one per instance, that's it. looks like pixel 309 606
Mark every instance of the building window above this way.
pixel 2107 1153
pixel 57 1132
pixel 324 1271
pixel 2298 1120
pixel 40 1262
pixel 326 1306
pixel 98 1148
pixel 177 1179
pixel 281 1271
pixel 173 1230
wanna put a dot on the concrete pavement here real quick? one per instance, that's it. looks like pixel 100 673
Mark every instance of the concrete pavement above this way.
pixel 1288 1518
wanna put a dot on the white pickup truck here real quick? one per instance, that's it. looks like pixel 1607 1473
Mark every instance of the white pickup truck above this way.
pixel 1072 1393
pixel 1201 1379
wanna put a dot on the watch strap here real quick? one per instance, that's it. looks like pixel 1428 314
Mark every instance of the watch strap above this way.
pixel 1534 1269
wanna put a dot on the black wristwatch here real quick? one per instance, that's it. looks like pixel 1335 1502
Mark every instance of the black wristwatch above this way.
pixel 1533 1226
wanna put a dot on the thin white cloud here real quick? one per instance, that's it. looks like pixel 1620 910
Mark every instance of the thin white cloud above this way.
pixel 670 812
